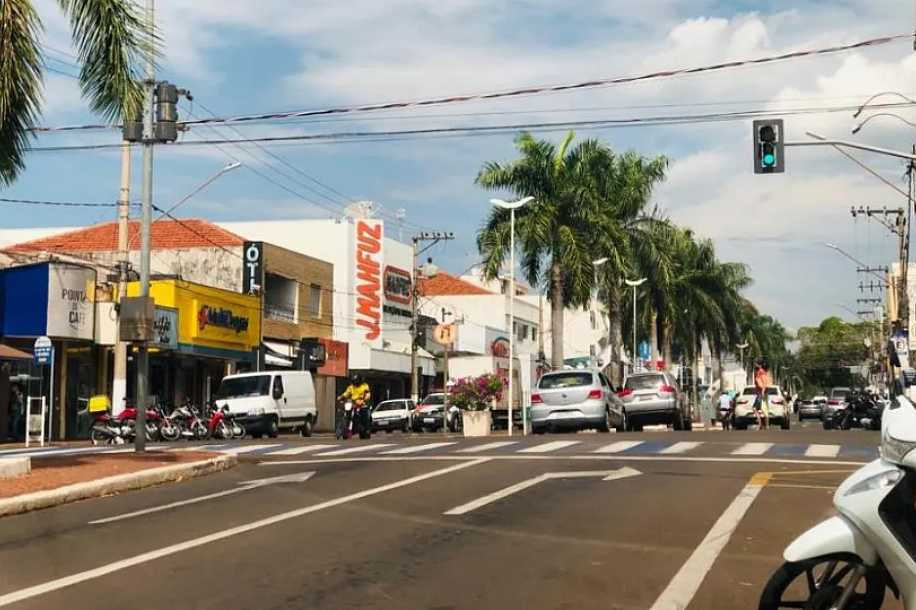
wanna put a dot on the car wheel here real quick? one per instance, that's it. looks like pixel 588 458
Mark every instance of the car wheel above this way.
pixel 306 430
pixel 688 426
pixel 785 423
pixel 605 426
pixel 537 429
pixel 740 426
pixel 622 427
pixel 678 423
pixel 406 427
pixel 273 428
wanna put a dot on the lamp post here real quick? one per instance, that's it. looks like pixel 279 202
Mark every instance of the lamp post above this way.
pixel 857 261
pixel 595 264
pixel 634 284
pixel 512 206
pixel 741 347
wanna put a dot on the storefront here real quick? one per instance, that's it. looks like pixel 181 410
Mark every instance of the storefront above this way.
pixel 202 334
pixel 56 300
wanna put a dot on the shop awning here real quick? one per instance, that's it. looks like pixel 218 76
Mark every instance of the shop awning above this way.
pixel 283 350
pixel 273 360
pixel 11 353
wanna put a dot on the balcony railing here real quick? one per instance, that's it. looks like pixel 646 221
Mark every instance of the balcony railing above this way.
pixel 281 313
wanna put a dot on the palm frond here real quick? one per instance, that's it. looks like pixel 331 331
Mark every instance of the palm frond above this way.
pixel 20 83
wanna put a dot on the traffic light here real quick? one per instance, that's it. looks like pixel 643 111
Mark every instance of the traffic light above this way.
pixel 769 147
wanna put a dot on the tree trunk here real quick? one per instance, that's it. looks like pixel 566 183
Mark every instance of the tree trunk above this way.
pixel 653 336
pixel 667 343
pixel 720 369
pixel 556 316
pixel 615 336
pixel 697 353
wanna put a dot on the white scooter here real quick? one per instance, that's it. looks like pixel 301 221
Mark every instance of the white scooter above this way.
pixel 848 561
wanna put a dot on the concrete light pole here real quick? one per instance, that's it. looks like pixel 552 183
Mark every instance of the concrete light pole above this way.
pixel 512 206
pixel 634 284
pixel 595 264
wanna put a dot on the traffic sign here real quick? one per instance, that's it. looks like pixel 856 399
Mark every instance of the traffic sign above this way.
pixel 43 351
pixel 445 334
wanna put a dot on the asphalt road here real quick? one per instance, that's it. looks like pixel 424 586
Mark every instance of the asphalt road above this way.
pixel 452 526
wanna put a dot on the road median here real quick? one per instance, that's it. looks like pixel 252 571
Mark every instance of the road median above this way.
pixel 56 481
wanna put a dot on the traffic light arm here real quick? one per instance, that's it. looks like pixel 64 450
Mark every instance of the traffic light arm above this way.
pixel 820 141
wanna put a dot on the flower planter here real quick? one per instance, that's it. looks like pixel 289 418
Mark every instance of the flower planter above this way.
pixel 477 423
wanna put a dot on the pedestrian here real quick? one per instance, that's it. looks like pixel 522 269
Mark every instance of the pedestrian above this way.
pixel 17 412
pixel 725 408
pixel 762 403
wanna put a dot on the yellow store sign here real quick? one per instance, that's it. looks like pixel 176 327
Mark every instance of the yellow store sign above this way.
pixel 208 317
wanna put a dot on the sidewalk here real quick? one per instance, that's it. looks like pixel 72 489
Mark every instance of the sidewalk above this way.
pixel 59 480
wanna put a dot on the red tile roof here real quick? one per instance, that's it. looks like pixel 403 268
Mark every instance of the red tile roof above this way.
pixel 165 234
pixel 446 284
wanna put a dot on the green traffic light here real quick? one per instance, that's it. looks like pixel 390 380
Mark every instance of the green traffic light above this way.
pixel 769 159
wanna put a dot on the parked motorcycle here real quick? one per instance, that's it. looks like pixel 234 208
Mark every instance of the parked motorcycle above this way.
pixel 847 561
pixel 861 411
pixel 121 428
pixel 188 418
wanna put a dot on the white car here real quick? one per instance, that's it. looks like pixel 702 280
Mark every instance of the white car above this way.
pixel 393 415
pixel 744 408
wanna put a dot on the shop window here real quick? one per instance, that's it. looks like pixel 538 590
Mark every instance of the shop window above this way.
pixel 281 297
pixel 315 301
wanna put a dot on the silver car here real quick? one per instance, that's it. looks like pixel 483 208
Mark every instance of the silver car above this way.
pixel 580 398
pixel 811 408
pixel 655 398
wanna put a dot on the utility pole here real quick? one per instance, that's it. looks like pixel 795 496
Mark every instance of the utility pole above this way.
pixel 433 237
pixel 119 378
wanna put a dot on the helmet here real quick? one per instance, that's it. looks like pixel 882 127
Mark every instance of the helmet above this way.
pixel 354 378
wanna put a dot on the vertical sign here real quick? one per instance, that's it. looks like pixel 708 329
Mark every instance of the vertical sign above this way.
pixel 71 307
pixel 368 281
pixel 253 267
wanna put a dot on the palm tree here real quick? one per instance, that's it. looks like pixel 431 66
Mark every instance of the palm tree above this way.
pixel 109 38
pixel 586 204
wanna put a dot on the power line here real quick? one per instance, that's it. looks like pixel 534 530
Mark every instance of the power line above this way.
pixel 478 130
pixel 542 89
pixel 64 204
pixel 528 90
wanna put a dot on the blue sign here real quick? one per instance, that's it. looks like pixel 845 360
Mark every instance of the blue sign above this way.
pixel 644 350
pixel 43 351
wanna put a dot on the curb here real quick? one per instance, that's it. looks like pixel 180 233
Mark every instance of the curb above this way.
pixel 111 485
pixel 11 467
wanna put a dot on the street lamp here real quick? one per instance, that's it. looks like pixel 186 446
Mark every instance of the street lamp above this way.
pixel 855 260
pixel 595 264
pixel 741 347
pixel 634 284
pixel 512 206
pixel 859 127
pixel 869 101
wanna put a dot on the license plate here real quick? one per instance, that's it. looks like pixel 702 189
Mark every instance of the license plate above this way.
pixel 429 420
pixel 381 422
pixel 645 398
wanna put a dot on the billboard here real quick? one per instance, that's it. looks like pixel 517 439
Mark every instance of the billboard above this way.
pixel 71 306
pixel 369 256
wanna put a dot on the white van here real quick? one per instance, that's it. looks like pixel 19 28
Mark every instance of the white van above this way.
pixel 270 400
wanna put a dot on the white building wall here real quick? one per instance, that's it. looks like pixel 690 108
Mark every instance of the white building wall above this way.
pixel 584 330
pixel 335 241
pixel 479 311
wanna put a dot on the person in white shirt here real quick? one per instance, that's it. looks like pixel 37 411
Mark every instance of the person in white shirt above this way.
pixel 725 410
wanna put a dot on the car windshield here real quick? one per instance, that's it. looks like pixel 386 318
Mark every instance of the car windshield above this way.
pixel 390 406
pixel 433 399
pixel 644 382
pixel 839 393
pixel 237 387
pixel 564 380
pixel 752 391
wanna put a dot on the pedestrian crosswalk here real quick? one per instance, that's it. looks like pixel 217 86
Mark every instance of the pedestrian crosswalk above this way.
pixel 472 447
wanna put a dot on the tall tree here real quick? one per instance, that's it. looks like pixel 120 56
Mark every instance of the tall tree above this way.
pixel 587 204
pixel 109 38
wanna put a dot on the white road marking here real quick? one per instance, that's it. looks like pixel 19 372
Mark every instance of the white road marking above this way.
pixel 417 448
pixel 822 451
pixel 680 591
pixel 607 475
pixel 752 449
pixel 357 449
pixel 548 447
pixel 243 486
pixel 299 450
pixel 682 447
pixel 574 457
pixel 66 581
pixel 487 446
pixel 248 448
pixel 618 446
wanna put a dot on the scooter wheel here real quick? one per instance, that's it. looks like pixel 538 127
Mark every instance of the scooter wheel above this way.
pixel 823 578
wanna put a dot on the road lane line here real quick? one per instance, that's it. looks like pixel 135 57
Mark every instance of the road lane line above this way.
pixel 487 446
pixel 752 449
pixel 680 591
pixel 574 457
pixel 548 447
pixel 418 448
pixel 248 448
pixel 299 450
pixel 681 447
pixel 822 451
pixel 66 581
pixel 357 449
pixel 618 447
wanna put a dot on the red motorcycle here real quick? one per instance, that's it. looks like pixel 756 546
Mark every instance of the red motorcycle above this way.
pixel 121 428
pixel 222 424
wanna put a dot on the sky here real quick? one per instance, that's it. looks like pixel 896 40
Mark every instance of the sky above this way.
pixel 280 55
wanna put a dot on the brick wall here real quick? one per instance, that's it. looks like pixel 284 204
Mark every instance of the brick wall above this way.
pixel 306 271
